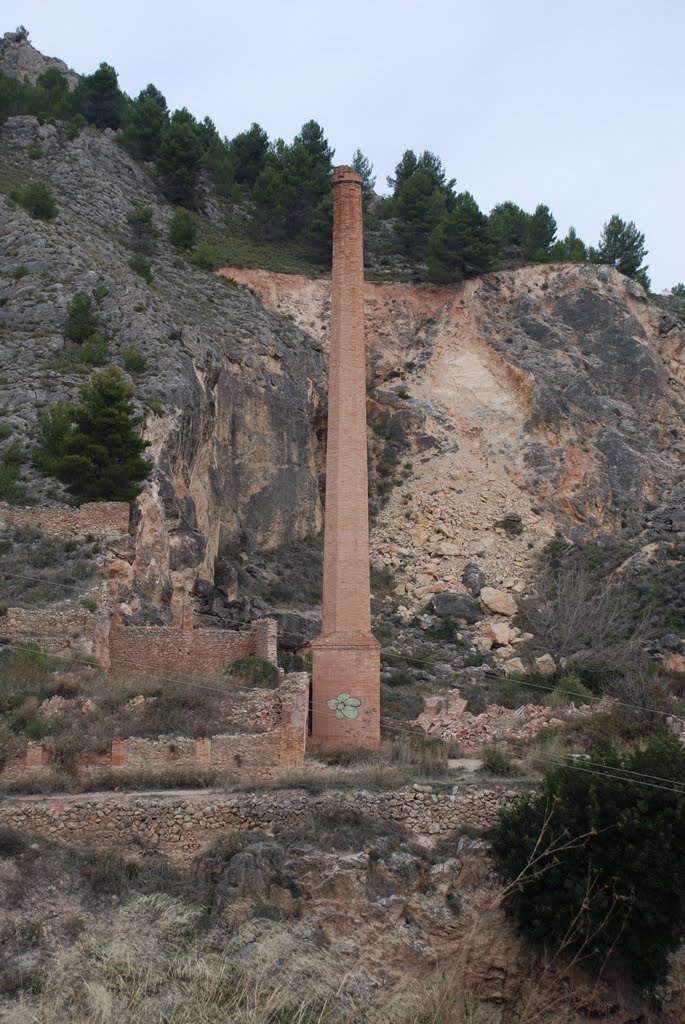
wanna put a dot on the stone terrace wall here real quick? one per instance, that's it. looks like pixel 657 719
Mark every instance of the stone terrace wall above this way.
pixel 178 825
pixel 182 650
pixel 99 518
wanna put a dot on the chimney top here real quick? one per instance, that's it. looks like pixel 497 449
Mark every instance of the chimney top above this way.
pixel 345 175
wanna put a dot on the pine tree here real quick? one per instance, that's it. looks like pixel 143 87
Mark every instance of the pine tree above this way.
pixel 101 101
pixel 622 246
pixel 460 245
pixel 145 122
pixel 180 159
pixel 94 447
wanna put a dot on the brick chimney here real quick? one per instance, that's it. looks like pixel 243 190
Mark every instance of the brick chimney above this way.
pixel 346 666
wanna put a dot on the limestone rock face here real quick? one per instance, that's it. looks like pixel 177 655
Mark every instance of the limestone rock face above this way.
pixel 524 402
pixel 231 395
pixel 18 59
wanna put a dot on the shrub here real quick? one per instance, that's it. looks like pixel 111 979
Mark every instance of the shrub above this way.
pixel 182 230
pixel 568 689
pixel 496 761
pixel 81 321
pixel 139 220
pixel 11 490
pixel 14 454
pixel 38 200
pixel 11 843
pixel 134 361
pixel 140 265
pixel 34 152
pixel 20 271
pixel 94 351
pixel 254 671
pixel 205 257
pixel 596 858
pixel 5 431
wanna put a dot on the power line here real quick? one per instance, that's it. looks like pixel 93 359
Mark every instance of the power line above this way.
pixel 553 689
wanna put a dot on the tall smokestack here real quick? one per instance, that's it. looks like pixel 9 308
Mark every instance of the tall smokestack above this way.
pixel 346 666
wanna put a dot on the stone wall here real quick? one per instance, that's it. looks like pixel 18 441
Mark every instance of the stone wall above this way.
pixel 67 629
pixel 99 518
pixel 239 755
pixel 178 825
pixel 183 650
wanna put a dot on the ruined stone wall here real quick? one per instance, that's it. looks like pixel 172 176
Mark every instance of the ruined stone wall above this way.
pixel 181 824
pixel 68 629
pixel 240 755
pixel 182 650
pixel 99 518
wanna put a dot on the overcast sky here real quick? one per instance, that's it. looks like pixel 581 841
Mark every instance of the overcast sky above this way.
pixel 574 103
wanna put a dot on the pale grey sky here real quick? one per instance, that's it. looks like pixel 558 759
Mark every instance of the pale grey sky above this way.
pixel 577 104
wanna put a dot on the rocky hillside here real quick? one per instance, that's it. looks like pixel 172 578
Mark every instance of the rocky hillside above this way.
pixel 500 410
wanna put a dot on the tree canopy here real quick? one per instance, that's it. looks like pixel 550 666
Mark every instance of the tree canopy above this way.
pixel 622 246
pixel 94 447
pixel 596 859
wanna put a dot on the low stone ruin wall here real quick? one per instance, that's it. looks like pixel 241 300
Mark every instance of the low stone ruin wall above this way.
pixel 240 755
pixel 69 628
pixel 178 825
pixel 66 629
pixel 99 518
pixel 183 650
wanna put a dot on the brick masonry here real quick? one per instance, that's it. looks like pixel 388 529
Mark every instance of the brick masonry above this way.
pixel 179 825
pixel 183 650
pixel 346 663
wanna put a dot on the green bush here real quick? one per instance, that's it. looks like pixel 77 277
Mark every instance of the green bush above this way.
pixel 14 454
pixel 38 200
pixel 182 230
pixel 139 219
pixel 81 320
pixel 569 688
pixel 596 858
pixel 20 271
pixel 496 761
pixel 253 671
pixel 34 152
pixel 140 265
pixel 5 431
pixel 205 256
pixel 11 490
pixel 94 351
pixel 134 361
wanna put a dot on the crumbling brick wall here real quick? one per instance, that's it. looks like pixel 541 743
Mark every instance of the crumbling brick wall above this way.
pixel 99 518
pixel 182 650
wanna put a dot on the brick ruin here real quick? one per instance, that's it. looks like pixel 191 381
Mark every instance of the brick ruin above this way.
pixel 90 626
pixel 282 717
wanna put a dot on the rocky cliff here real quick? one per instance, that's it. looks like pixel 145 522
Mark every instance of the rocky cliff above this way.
pixel 500 410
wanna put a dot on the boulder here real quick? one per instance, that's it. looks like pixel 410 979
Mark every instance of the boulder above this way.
pixel 514 667
pixel 500 602
pixel 473 578
pixel 461 606
pixel 545 665
pixel 499 631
